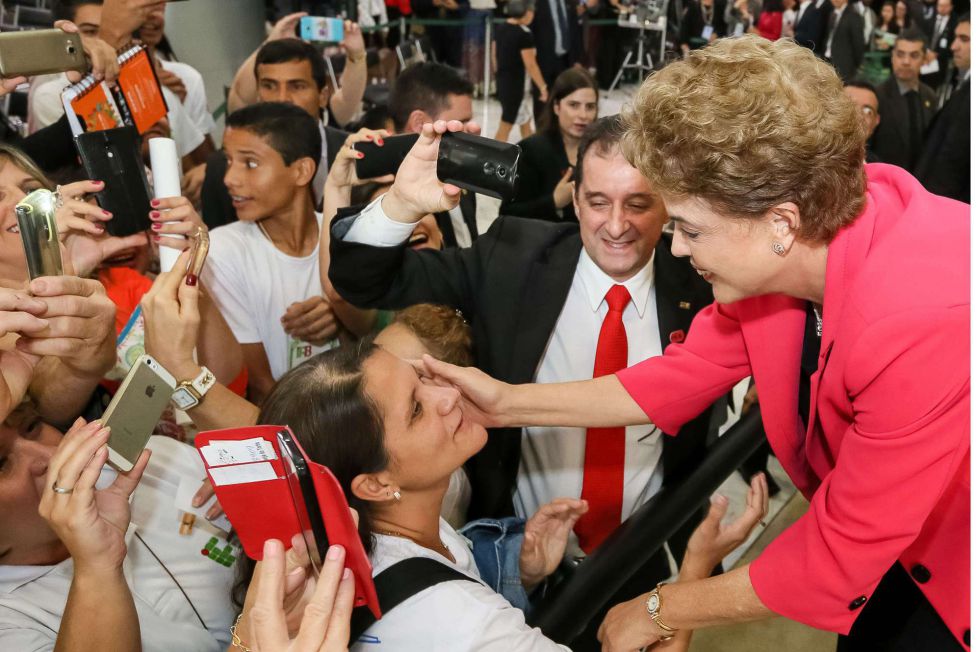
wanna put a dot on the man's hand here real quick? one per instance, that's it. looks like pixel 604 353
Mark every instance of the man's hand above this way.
pixel 120 18
pixel 285 27
pixel 311 321
pixel 101 55
pixel 353 42
pixel 193 182
pixel 80 324
pixel 417 191
pixel 563 191
pixel 546 537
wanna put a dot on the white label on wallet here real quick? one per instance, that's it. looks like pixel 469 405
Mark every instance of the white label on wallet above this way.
pixel 222 453
pixel 242 474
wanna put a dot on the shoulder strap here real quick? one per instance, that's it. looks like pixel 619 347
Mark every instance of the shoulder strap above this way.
pixel 398 583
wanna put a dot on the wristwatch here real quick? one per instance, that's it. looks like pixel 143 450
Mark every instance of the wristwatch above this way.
pixel 190 393
pixel 653 608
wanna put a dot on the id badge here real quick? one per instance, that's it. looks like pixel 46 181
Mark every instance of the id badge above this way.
pixel 707 32
pixel 299 352
pixel 943 43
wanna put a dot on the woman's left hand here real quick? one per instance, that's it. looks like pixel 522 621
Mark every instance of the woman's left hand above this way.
pixel 343 172
pixel 91 523
pixel 174 216
pixel 172 320
pixel 546 537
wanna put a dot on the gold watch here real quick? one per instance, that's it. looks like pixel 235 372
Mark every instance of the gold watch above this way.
pixel 654 605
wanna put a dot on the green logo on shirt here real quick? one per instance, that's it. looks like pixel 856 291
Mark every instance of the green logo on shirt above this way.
pixel 224 556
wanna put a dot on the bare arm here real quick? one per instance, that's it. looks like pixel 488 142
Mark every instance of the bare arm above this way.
pixel 346 101
pixel 260 380
pixel 243 89
pixel 106 594
pixel 217 348
pixel 530 59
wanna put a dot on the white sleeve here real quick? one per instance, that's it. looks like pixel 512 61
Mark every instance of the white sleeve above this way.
pixel 372 227
pixel 184 132
pixel 458 615
pixel 196 102
pixel 228 287
pixel 19 633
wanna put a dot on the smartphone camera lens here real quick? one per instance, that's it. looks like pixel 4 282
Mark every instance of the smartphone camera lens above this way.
pixel 501 172
pixel 71 49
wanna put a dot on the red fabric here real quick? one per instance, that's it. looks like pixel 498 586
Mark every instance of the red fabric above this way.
pixel 884 460
pixel 605 448
pixel 770 24
pixel 125 287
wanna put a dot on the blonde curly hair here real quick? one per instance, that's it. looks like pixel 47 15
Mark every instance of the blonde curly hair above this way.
pixel 747 123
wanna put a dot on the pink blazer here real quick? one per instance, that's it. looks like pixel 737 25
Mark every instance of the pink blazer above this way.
pixel 884 459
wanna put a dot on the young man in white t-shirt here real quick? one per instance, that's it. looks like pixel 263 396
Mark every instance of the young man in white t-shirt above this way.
pixel 263 270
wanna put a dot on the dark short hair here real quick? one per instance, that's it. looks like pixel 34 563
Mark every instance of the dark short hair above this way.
pixel 427 87
pixel 863 84
pixel 65 9
pixel 288 50
pixel 965 18
pixel 913 34
pixel 288 129
pixel 604 135
pixel 565 84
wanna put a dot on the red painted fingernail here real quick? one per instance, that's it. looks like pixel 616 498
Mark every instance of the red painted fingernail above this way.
pixel 106 213
pixel 190 280
pixel 381 141
pixel 156 226
pixel 155 215
pixel 156 237
pixel 360 155
pixel 99 183
pixel 154 203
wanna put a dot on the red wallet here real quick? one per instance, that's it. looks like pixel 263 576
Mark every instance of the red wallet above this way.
pixel 252 482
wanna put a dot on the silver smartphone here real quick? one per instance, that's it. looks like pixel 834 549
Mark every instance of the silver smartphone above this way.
pixel 39 233
pixel 39 52
pixel 136 409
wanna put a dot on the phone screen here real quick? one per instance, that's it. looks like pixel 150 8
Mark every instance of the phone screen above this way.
pixel 305 502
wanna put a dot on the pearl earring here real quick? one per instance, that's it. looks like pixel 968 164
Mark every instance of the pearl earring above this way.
pixel 778 248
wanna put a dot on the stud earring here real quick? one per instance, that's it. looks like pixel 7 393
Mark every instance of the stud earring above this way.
pixel 778 248
pixel 398 495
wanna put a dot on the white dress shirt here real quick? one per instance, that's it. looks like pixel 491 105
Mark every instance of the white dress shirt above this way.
pixel 552 459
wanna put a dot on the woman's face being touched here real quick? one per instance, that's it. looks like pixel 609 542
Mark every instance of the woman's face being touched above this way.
pixel 427 434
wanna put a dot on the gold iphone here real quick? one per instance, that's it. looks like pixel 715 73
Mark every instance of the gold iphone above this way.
pixel 39 233
pixel 135 410
pixel 39 52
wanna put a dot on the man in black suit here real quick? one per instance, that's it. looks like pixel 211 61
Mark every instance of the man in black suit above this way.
pixel 552 28
pixel 426 92
pixel 811 21
pixel 944 167
pixel 843 43
pixel 907 106
pixel 286 70
pixel 534 293
pixel 939 30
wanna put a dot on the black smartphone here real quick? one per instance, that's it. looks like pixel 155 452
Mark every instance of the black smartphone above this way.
pixel 113 156
pixel 481 165
pixel 384 160
pixel 305 502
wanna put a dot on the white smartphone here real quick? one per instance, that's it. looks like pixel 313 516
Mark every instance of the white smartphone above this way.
pixel 136 409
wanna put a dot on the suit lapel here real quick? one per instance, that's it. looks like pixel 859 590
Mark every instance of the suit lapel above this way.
pixel 467 204
pixel 676 301
pixel 540 305
pixel 445 223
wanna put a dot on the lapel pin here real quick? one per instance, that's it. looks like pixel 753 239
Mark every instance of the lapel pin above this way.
pixel 676 337
pixel 686 305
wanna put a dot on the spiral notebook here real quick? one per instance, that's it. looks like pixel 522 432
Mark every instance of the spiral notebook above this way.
pixel 136 100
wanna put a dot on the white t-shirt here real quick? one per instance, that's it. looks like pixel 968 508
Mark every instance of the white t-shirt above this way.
pixel 32 598
pixel 196 100
pixel 457 615
pixel 45 108
pixel 253 283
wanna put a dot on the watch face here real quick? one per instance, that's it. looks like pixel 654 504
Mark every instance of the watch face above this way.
pixel 653 604
pixel 183 399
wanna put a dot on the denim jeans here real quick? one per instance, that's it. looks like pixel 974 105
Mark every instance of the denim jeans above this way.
pixel 496 547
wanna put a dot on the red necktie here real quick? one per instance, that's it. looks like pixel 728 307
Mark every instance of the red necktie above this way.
pixel 605 448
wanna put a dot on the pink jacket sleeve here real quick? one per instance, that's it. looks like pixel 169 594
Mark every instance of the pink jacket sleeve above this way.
pixel 907 378
pixel 674 388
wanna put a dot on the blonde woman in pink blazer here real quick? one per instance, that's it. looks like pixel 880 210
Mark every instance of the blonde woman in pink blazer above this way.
pixel 843 290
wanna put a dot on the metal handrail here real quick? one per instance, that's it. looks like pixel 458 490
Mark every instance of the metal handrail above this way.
pixel 564 613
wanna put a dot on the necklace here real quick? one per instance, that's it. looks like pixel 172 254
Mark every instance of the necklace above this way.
pixel 264 232
pixel 816 313
pixel 414 540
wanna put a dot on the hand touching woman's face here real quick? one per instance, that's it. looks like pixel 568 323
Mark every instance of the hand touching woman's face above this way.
pixel 426 433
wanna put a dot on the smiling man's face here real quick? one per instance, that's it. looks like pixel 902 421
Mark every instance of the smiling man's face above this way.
pixel 621 218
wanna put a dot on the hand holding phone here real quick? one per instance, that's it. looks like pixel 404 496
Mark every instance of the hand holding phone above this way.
pixel 39 52
pixel 321 29
pixel 135 410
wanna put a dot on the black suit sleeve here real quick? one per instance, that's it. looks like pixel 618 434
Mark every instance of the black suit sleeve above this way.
pixel 856 35
pixel 396 277
pixel 52 147
pixel 534 196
